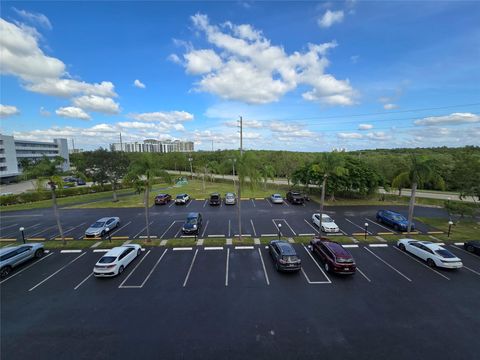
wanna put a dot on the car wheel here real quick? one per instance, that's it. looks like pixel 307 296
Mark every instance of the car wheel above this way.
pixel 139 251
pixel 402 247
pixel 327 267
pixel 470 248
pixel 39 253
pixel 323 229
pixel 430 263
pixel 5 271
pixel 120 270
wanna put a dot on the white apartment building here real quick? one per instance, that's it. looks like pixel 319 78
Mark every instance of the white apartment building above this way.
pixel 13 150
pixel 151 145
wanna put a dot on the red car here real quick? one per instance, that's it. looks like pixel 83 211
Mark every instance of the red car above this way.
pixel 335 258
pixel 162 199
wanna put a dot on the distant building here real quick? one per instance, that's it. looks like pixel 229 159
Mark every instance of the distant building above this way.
pixel 75 151
pixel 157 146
pixel 13 150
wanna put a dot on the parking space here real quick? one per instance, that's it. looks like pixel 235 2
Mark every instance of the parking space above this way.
pixel 246 268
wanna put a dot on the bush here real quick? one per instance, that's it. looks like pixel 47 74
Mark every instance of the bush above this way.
pixel 459 208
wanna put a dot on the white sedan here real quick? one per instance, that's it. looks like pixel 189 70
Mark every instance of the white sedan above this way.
pixel 432 253
pixel 116 260
pixel 276 199
pixel 328 225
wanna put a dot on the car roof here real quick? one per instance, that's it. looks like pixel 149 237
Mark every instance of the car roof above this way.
pixel 104 219
pixel 391 212
pixel 193 214
pixel 162 194
pixel 230 193
pixel 183 194
pixel 116 251
pixel 431 245
pixel 8 249
pixel 285 247
pixel 276 195
pixel 336 248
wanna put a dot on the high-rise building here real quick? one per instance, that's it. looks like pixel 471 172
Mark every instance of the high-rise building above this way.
pixel 152 145
pixel 12 151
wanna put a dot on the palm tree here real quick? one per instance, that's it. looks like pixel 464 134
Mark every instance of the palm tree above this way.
pixel 329 164
pixel 419 172
pixel 400 181
pixel 141 175
pixel 267 172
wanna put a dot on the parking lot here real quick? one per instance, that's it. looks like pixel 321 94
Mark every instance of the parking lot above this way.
pixel 213 302
pixel 259 218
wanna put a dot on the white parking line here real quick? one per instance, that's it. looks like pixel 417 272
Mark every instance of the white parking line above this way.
pixel 378 245
pixel 365 276
pixel 173 203
pixel 229 227
pixel 265 235
pixel 465 251
pixel 212 236
pixel 390 230
pixel 205 203
pixel 205 228
pixel 269 203
pixel 286 223
pixel 319 267
pixel 350 246
pixel 9 226
pixel 56 272
pixel 358 226
pixel 189 202
pixel 81 282
pixel 263 265
pixel 213 248
pixel 66 232
pixel 101 250
pixel 421 263
pixel 29 266
pixel 190 269
pixel 473 271
pixel 182 248
pixel 286 203
pixel 70 251
pixel 459 244
pixel 154 267
pixel 390 266
pixel 314 228
pixel 253 227
pixel 253 202
pixel 135 268
pixel 173 223
pixel 16 231
pixel 42 231
pixel 243 247
pixel 117 230
pixel 141 231
pixel 226 267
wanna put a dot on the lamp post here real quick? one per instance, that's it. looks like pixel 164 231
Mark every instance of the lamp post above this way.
pixel 23 234
pixel 450 223
pixel 191 168
pixel 366 230
pixel 279 231
pixel 108 234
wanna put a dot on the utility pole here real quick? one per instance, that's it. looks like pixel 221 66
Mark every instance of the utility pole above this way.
pixel 239 186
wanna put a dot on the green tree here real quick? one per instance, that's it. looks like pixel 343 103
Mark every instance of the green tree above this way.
pixel 401 181
pixel 49 170
pixel 141 175
pixel 267 172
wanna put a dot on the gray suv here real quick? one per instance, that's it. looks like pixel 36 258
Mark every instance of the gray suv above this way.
pixel 13 256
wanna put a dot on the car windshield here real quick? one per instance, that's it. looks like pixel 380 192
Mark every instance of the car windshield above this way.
pixel 445 254
pixel 276 196
pixel 98 224
pixel 327 219
pixel 229 196
pixel 107 259
pixel 215 197
pixel 191 221
pixel 179 196
pixel 398 217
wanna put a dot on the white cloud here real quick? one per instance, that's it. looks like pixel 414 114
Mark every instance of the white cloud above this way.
pixel 69 87
pixel 349 135
pixel 72 112
pixel 330 18
pixel 202 61
pixel 365 126
pixel 245 123
pixel 174 58
pixel 137 83
pixel 34 18
pixel 97 103
pixel 379 136
pixel 44 112
pixel 248 68
pixel 452 119
pixel 354 58
pixel 8 110
pixel 390 106
pixel 136 125
pixel 290 130
pixel 167 116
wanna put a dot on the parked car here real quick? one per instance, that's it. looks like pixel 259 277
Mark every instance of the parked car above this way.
pixel 432 253
pixel 472 246
pixel 12 256
pixel 81 182
pixel 334 256
pixel 215 199
pixel 328 225
pixel 70 179
pixel 99 228
pixel 116 260
pixel 162 199
pixel 295 197
pixel 193 223
pixel 284 256
pixel 393 219
pixel 230 199
pixel 276 199
pixel 182 199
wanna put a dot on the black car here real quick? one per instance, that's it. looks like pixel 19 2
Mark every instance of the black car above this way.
pixel 215 199
pixel 284 256
pixel 193 223
pixel 295 197
pixel 472 246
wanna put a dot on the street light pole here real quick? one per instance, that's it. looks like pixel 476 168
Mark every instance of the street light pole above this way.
pixel 109 237
pixel 23 234
pixel 279 231
pixel 366 230
pixel 450 223
pixel 191 168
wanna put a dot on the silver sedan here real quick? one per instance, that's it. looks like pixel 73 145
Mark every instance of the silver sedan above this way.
pixel 102 226
pixel 276 199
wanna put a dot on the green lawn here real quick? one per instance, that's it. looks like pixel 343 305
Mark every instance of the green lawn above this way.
pixel 194 188
pixel 464 229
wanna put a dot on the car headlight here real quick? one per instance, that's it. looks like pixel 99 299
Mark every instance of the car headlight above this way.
pixel 194 226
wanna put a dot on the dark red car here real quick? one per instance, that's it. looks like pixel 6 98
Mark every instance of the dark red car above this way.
pixel 335 258
pixel 162 199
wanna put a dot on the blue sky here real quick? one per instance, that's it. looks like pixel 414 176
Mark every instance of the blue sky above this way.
pixel 308 76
